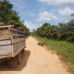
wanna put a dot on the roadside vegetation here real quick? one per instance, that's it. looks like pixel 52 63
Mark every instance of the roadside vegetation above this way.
pixel 62 31
pixel 64 49
pixel 10 16
pixel 59 38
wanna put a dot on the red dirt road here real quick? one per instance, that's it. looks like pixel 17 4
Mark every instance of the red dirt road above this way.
pixel 37 60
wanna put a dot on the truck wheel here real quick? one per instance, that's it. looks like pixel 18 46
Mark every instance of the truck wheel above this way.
pixel 13 62
pixel 22 53
pixel 19 57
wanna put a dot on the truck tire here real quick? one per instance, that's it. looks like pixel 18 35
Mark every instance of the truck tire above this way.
pixel 13 62
pixel 19 57
pixel 22 53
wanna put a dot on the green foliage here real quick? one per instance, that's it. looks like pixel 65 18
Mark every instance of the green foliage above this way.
pixel 63 48
pixel 72 14
pixel 43 30
pixel 59 39
pixel 9 16
pixel 66 49
pixel 5 10
pixel 63 31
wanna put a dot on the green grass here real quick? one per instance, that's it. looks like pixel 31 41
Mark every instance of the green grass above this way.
pixel 63 48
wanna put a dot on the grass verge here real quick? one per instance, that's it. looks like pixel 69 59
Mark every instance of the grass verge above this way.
pixel 63 48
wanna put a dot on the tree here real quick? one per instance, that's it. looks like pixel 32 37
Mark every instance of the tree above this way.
pixel 63 31
pixel 42 31
pixel 72 14
pixel 5 11
pixel 9 16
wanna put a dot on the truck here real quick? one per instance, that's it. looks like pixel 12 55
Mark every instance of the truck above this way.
pixel 12 45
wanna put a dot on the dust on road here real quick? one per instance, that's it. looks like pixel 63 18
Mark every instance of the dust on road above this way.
pixel 37 60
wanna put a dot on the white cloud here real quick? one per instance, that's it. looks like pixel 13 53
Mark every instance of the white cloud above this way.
pixel 32 15
pixel 45 16
pixel 30 25
pixel 66 11
pixel 58 2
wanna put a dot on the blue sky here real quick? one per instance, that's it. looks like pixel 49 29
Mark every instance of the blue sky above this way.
pixel 34 13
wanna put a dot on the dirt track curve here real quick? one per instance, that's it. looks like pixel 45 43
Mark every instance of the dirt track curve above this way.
pixel 37 60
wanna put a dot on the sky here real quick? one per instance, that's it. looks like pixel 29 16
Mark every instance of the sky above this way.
pixel 35 13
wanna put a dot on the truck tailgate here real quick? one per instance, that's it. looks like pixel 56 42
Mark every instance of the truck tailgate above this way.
pixel 5 49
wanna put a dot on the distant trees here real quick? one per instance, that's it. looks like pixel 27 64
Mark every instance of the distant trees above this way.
pixel 72 14
pixel 9 16
pixel 43 30
pixel 63 31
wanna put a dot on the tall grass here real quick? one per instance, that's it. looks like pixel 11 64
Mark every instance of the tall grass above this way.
pixel 63 48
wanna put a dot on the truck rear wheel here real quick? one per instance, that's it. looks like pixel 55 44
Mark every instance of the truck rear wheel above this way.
pixel 13 62
pixel 19 57
pixel 22 53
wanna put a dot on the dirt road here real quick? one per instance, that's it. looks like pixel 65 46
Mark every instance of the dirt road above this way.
pixel 37 60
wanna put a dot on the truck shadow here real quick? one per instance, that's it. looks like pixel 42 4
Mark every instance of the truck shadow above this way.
pixel 4 66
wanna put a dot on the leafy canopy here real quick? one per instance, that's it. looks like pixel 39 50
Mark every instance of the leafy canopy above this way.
pixel 9 16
